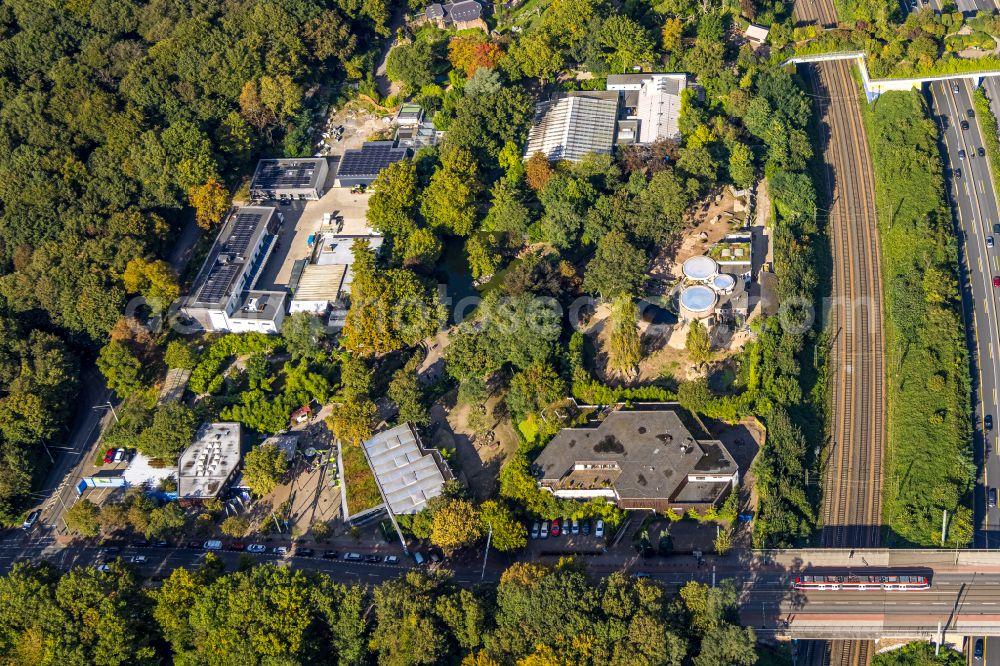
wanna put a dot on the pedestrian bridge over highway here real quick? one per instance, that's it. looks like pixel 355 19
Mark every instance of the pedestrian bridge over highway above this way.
pixel 963 600
pixel 875 87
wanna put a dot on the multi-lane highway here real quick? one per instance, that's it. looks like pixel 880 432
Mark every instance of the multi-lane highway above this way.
pixel 974 206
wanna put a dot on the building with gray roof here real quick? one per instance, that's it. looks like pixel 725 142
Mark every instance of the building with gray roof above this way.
pixel 223 297
pixel 360 166
pixel 408 474
pixel 290 178
pixel 644 459
pixel 569 126
pixel 206 467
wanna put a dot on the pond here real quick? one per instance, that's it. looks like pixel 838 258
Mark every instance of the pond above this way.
pixel 455 279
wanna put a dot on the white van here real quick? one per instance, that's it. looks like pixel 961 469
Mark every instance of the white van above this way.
pixel 418 557
pixel 213 545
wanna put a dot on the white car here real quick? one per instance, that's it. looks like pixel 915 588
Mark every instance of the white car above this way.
pixel 256 548
pixel 391 559
pixel 576 527
pixel 279 550
pixel 599 530
pixel 535 530
pixel 545 529
pixel 137 559
pixel 104 568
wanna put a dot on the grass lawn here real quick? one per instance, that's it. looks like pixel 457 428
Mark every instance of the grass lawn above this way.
pixel 359 482
pixel 929 466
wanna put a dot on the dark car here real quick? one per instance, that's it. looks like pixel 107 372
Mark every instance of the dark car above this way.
pixel 330 555
pixel 586 527
pixel 236 545
pixel 965 124
pixel 988 421
pixel 977 652
pixel 991 498
pixel 373 559
pixel 981 151
pixel 958 173
pixel 304 552
pixel 996 228
pixel 113 550
pixel 961 154
pixel 989 241
pixel 970 113
pixel 193 544
pixel 141 543
pixel 161 543
pixel 996 280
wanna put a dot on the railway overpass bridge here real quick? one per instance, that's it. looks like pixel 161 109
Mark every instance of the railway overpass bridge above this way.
pixel 875 87
pixel 963 600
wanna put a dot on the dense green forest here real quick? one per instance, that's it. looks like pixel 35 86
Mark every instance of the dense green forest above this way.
pixel 115 118
pixel 929 461
pixel 538 615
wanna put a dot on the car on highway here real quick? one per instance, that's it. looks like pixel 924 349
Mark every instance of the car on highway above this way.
pixel 109 456
pixel 996 228
pixel 970 113
pixel 996 280
pixel 989 241
pixel 977 651
pixel 988 421
pixel 961 153
pixel 965 126
pixel 958 172
pixel 555 527
pixel 954 88
pixel 256 548
pixel 981 151
pixel 535 530
pixel 991 498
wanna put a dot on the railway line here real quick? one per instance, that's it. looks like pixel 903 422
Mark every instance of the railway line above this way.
pixel 851 511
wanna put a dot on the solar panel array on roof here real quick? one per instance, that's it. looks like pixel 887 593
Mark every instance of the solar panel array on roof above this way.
pixel 244 226
pixel 370 159
pixel 285 174
pixel 218 282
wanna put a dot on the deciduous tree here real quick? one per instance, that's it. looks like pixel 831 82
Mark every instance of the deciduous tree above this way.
pixel 263 468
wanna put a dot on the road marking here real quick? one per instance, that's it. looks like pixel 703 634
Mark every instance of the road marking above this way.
pixel 890 603
pixel 938 603
pixel 989 603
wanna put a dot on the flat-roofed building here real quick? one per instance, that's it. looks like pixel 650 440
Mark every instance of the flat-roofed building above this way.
pixel 408 474
pixel 290 178
pixel 208 465
pixel 360 166
pixel 569 126
pixel 652 101
pixel 643 459
pixel 223 297
pixel 326 277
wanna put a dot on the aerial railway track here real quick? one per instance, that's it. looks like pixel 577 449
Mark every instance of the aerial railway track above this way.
pixel 851 511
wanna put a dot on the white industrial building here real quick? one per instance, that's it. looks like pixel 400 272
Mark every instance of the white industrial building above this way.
pixel 325 278
pixel 223 297
pixel 650 105
pixel 207 466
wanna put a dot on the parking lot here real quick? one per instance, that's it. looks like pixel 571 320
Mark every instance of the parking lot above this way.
pixel 551 537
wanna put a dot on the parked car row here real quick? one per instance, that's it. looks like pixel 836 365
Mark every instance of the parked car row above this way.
pixel 566 527
pixel 120 455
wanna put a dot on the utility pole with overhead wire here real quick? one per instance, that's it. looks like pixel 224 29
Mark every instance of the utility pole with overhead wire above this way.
pixel 486 554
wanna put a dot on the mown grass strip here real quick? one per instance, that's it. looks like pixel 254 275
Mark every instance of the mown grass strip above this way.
pixel 988 129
